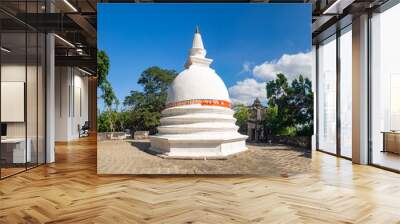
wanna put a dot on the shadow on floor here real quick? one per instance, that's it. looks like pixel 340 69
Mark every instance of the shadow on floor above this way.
pixel 144 147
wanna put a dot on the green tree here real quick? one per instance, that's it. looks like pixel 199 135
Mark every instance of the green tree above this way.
pixel 241 114
pixel 272 122
pixel 301 104
pixel 110 99
pixel 277 90
pixel 108 95
pixel 279 117
pixel 107 92
pixel 124 120
pixel 103 67
pixel 290 106
pixel 146 105
pixel 103 122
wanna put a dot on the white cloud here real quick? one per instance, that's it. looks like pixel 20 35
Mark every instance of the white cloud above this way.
pixel 291 65
pixel 246 91
pixel 246 67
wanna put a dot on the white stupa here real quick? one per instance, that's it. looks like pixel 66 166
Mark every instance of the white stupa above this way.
pixel 198 121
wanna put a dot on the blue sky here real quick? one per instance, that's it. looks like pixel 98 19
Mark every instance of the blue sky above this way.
pixel 248 42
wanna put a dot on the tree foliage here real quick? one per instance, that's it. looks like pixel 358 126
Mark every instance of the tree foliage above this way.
pixel 107 93
pixel 103 67
pixel 241 114
pixel 146 106
pixel 290 106
pixel 301 104
pixel 277 95
pixel 122 121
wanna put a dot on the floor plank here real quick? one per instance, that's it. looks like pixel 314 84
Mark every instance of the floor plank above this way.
pixel 70 191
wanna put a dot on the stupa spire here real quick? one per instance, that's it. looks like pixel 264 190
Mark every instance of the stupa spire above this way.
pixel 197 45
pixel 197 54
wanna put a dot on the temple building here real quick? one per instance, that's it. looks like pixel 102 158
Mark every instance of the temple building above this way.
pixel 255 126
pixel 198 120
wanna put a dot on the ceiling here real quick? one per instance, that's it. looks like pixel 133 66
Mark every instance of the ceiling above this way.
pixel 75 21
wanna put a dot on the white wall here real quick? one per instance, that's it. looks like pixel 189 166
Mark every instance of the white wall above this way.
pixel 33 125
pixel 61 103
pixel 71 94
pixel 80 104
pixel 12 101
pixel 16 73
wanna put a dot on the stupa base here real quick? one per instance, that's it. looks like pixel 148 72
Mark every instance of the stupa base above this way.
pixel 199 147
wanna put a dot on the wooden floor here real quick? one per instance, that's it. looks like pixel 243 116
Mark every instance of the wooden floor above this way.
pixel 70 191
pixel 387 159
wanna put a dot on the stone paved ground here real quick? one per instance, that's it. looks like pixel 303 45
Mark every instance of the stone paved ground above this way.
pixel 130 157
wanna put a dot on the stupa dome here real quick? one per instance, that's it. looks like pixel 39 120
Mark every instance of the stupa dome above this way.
pixel 197 82
pixel 198 120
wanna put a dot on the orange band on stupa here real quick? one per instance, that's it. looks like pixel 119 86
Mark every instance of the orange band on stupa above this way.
pixel 203 102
